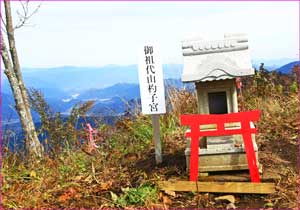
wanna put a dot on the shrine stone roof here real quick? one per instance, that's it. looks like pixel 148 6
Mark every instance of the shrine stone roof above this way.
pixel 208 60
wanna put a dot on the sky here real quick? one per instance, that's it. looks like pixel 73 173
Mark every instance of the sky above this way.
pixel 103 33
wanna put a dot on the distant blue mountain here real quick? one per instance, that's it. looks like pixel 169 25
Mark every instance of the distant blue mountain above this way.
pixel 272 64
pixel 109 86
pixel 67 80
pixel 70 79
pixel 122 90
pixel 113 100
pixel 63 87
pixel 286 69
pixel 114 106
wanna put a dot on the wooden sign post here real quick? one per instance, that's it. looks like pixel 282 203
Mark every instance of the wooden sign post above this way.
pixel 152 91
pixel 156 136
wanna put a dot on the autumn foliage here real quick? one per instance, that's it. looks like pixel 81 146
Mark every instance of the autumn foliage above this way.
pixel 122 171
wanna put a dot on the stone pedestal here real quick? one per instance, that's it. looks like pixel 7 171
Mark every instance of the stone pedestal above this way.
pixel 222 153
pixel 223 159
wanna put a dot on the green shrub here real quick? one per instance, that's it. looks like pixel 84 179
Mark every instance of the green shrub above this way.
pixel 294 87
pixel 139 196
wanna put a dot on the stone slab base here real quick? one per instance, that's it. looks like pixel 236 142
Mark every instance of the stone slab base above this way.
pixel 221 162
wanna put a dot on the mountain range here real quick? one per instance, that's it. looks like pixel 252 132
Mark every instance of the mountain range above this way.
pixel 70 79
pixel 109 86
pixel 272 64
pixel 285 69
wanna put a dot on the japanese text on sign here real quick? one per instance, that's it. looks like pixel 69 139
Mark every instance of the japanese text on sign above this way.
pixel 151 81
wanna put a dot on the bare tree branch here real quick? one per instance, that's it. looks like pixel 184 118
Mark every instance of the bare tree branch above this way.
pixel 3 22
pixel 25 15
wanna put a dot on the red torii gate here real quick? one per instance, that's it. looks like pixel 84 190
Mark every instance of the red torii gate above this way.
pixel 195 120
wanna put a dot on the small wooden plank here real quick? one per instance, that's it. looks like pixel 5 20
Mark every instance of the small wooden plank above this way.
pixel 203 174
pixel 225 178
pixel 267 176
pixel 218 187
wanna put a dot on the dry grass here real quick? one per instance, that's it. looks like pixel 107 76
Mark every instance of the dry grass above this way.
pixel 122 171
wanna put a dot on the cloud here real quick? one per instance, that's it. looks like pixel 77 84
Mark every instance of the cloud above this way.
pixel 100 33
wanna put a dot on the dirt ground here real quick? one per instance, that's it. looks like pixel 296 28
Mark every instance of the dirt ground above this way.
pixel 280 160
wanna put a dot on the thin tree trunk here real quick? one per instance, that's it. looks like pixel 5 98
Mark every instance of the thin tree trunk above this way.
pixel 13 73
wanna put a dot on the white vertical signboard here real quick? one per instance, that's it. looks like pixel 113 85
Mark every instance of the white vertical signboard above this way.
pixel 151 80
pixel 152 90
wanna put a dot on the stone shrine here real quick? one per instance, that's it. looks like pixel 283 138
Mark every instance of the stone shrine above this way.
pixel 214 65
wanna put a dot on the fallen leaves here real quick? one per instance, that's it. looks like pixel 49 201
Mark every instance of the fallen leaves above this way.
pixel 172 193
pixel 269 204
pixel 230 206
pixel 114 197
pixel 166 200
pixel 69 194
pixel 229 198
pixel 105 185
pixel 32 174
